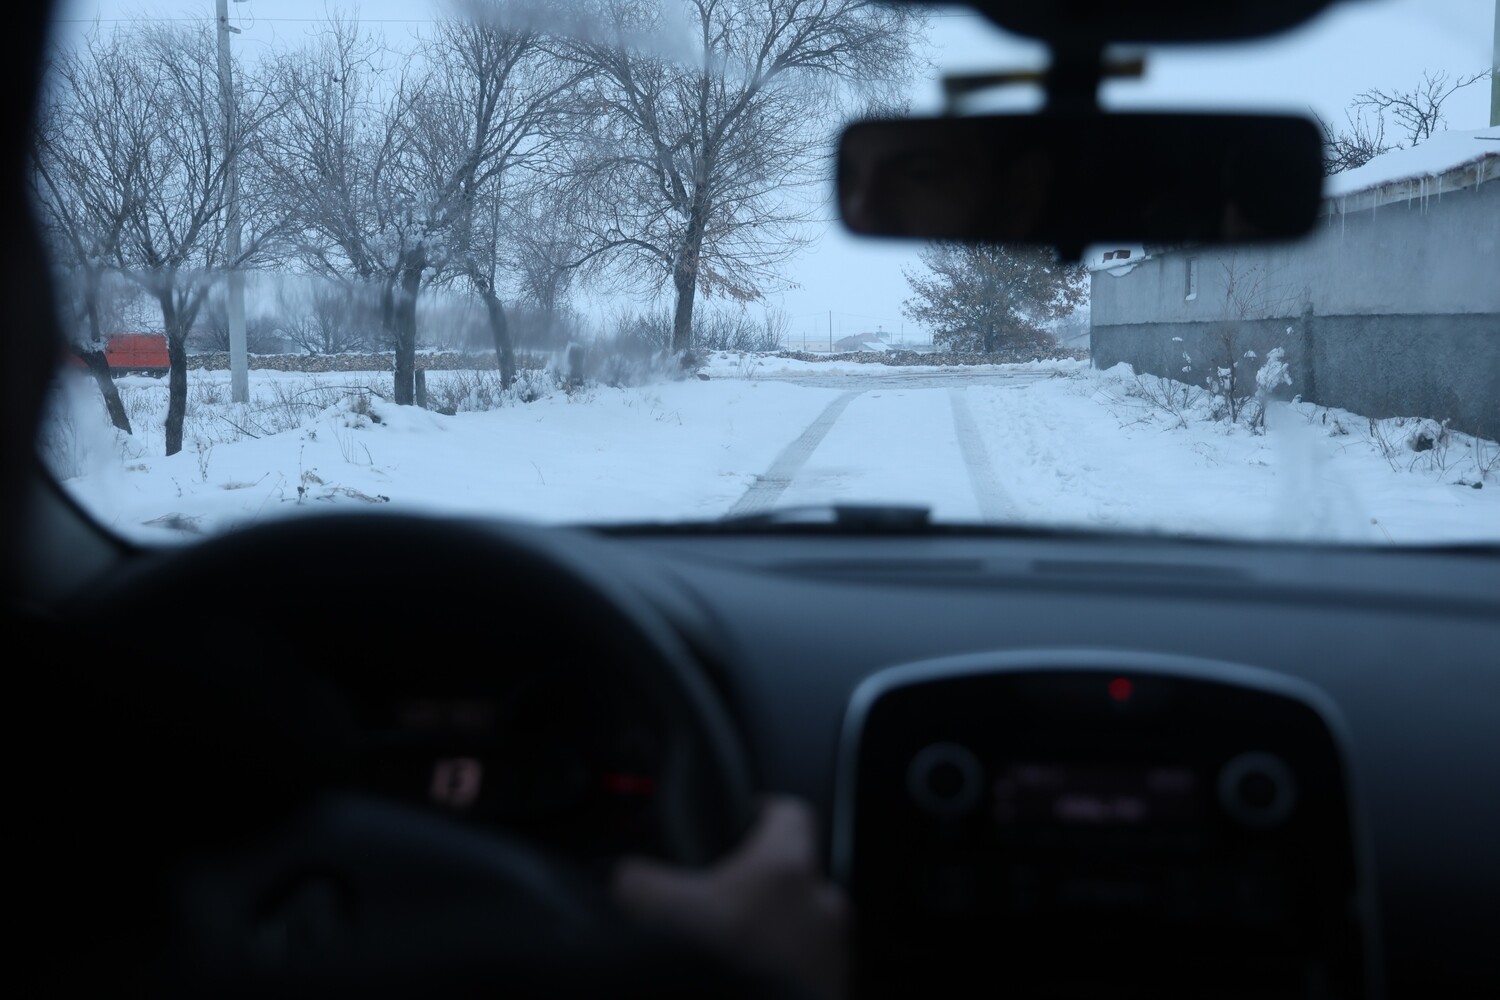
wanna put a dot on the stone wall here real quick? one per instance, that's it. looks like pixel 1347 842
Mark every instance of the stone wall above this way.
pixel 449 361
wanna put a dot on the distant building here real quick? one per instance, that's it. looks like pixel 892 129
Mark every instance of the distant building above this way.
pixel 861 342
pixel 1392 307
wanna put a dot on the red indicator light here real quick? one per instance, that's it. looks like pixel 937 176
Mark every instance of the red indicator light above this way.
pixel 1120 689
pixel 628 784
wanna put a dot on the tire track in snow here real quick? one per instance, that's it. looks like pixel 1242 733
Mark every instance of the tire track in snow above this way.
pixel 995 502
pixel 767 488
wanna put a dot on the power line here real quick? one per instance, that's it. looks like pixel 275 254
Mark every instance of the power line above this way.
pixel 278 20
pixel 318 20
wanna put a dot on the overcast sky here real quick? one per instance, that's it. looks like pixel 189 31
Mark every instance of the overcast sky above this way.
pixel 1355 45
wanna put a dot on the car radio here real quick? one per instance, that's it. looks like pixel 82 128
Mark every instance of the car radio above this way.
pixel 1099 825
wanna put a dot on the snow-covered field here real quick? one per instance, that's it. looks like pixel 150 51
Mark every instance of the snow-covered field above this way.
pixel 1046 442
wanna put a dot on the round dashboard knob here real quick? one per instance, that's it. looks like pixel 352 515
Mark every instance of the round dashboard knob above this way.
pixel 944 779
pixel 1257 789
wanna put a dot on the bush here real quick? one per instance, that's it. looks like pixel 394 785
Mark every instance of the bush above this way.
pixel 635 349
pixel 737 331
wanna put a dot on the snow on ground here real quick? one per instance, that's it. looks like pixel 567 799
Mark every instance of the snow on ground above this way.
pixel 1092 451
pixel 1052 443
pixel 678 450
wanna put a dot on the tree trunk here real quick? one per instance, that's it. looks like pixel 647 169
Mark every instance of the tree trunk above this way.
pixel 98 367
pixel 685 282
pixel 94 359
pixel 176 389
pixel 177 375
pixel 505 351
pixel 404 327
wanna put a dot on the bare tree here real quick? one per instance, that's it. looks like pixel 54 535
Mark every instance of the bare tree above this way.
pixel 1360 141
pixel 697 171
pixel 83 195
pixel 389 159
pixel 329 317
pixel 336 157
pixel 175 243
pixel 211 329
pixel 135 126
pixel 991 297
pixel 1418 111
pixel 517 234
pixel 548 254
pixel 497 105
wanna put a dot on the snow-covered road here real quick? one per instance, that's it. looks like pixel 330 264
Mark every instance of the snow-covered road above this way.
pixel 932 453
pixel 921 423
pixel 1036 445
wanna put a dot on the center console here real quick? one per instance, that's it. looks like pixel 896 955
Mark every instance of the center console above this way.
pixel 1099 825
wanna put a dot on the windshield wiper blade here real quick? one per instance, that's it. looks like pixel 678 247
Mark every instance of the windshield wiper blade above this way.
pixel 845 517
pixel 839 519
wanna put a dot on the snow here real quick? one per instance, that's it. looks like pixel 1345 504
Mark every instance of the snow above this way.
pixel 676 450
pixel 1094 259
pixel 1064 444
pixel 914 424
pixel 1275 373
pixel 1441 153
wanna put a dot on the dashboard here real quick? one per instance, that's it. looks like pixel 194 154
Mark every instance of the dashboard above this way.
pixel 1066 766
pixel 1313 725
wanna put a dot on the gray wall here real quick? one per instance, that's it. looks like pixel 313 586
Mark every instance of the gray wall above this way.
pixel 1389 311
pixel 1447 367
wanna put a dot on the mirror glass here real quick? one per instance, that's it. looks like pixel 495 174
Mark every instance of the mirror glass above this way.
pixel 1073 180
pixel 1146 20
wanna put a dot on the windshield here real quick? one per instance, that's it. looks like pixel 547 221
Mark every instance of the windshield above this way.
pixel 578 261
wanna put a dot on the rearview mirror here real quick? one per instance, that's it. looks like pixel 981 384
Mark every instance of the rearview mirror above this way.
pixel 1148 20
pixel 1072 180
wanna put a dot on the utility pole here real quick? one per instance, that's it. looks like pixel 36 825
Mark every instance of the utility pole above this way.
pixel 234 299
pixel 1495 72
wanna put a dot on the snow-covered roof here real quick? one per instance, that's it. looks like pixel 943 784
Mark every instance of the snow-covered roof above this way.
pixel 1439 155
pixel 861 342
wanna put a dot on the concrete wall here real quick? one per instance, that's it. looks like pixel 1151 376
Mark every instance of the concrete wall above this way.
pixel 1389 311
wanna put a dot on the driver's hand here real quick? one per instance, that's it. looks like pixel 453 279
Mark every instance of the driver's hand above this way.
pixel 766 907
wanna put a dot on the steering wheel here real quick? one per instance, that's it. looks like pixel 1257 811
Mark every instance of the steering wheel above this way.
pixel 280 878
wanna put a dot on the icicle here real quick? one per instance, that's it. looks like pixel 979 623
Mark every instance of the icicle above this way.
pixel 1343 211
